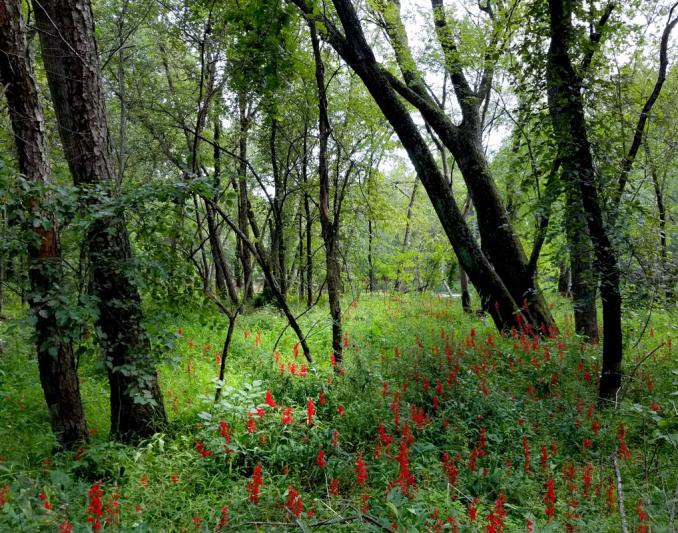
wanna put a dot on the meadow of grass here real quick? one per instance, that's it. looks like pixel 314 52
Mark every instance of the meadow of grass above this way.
pixel 435 423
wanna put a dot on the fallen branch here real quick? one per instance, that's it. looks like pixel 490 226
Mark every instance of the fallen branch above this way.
pixel 672 511
pixel 620 494
pixel 360 517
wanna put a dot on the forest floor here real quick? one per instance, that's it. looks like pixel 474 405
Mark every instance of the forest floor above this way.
pixel 435 423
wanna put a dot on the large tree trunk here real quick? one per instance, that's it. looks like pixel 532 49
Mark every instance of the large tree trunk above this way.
pixel 567 115
pixel 499 241
pixel 356 52
pixel 582 268
pixel 56 363
pixel 72 67
pixel 328 223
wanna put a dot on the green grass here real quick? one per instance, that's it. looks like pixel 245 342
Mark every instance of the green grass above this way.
pixel 164 484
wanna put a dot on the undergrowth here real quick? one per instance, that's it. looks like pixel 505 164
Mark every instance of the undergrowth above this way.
pixel 435 423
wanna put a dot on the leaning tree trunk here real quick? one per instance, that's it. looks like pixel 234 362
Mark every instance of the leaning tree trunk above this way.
pixel 72 68
pixel 56 363
pixel 500 243
pixel 329 226
pixel 566 108
pixel 357 53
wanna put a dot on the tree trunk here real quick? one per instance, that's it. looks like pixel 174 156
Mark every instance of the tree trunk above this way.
pixel 408 224
pixel 243 202
pixel 56 363
pixel 328 224
pixel 564 278
pixel 72 67
pixel 357 53
pixel 277 229
pixel 582 268
pixel 308 264
pixel 499 241
pixel 465 294
pixel 370 253
pixel 666 269
pixel 567 115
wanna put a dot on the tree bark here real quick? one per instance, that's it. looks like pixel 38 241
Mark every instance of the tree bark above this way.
pixel 278 250
pixel 567 115
pixel 243 201
pixel 584 279
pixel 56 362
pixel 328 223
pixel 70 56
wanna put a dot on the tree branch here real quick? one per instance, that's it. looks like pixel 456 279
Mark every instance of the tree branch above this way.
pixel 645 113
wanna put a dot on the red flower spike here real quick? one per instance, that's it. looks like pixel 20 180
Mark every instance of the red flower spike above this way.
pixel 310 411
pixel 360 469
pixel 294 504
pixel 269 399
pixel 254 486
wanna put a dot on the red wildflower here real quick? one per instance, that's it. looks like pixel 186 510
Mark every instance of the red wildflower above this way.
pixel 223 431
pixel 46 505
pixel 65 527
pixel 587 477
pixel 223 521
pixel 295 348
pixel 320 458
pixel 543 457
pixel 495 520
pixel 321 398
pixel 197 521
pixel 251 426
pixel 174 478
pixel 269 399
pixel 643 517
pixel 611 497
pixel 587 443
pixel 365 506
pixel 526 452
pixel 95 509
pixel 286 415
pixel 623 450
pixel 294 504
pixel 345 339
pixel 595 426
pixel 253 487
pixel 202 450
pixel 334 487
pixel 550 499
pixel 360 469
pixel 450 468
pixel 340 410
pixel 310 411
pixel 472 510
pixel 405 479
